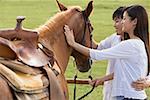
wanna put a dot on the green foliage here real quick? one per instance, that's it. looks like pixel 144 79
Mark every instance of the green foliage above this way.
pixel 39 11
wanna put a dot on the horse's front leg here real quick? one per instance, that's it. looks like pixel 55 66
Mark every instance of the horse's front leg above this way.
pixel 5 92
pixel 64 86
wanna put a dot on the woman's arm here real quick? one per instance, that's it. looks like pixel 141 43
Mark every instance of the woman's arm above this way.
pixel 122 50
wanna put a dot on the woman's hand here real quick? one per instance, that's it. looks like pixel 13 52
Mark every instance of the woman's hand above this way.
pixel 69 35
pixel 70 39
pixel 141 84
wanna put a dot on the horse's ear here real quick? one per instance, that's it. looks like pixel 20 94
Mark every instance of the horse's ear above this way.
pixel 88 9
pixel 61 6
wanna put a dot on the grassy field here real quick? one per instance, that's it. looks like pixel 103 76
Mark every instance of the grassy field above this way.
pixel 39 11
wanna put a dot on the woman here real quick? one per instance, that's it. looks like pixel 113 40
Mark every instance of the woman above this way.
pixel 130 54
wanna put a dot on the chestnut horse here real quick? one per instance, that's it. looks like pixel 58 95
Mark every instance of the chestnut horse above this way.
pixel 51 35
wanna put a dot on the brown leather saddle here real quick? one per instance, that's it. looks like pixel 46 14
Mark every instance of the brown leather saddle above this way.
pixel 22 44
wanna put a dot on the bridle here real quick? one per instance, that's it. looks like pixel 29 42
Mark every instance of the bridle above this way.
pixel 87 25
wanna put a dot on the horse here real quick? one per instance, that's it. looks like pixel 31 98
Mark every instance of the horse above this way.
pixel 51 37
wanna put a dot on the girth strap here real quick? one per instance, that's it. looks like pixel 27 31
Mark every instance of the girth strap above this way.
pixel 56 92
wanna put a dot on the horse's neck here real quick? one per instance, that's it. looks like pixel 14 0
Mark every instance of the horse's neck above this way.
pixel 59 47
pixel 51 36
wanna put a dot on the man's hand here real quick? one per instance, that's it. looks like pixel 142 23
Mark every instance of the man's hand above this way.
pixel 97 82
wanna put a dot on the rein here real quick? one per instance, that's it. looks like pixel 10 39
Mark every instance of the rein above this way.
pixel 86 21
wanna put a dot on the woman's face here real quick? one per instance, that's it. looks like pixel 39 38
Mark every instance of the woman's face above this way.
pixel 118 25
pixel 127 24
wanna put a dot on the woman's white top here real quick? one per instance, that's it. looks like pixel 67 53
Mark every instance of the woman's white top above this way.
pixel 110 41
pixel 131 64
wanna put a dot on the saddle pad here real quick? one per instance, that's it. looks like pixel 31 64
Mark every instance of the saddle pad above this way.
pixel 5 93
pixel 36 96
pixel 21 81
pixel 27 91
pixel 17 66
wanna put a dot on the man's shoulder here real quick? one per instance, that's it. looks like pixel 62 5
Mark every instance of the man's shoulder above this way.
pixel 110 40
pixel 114 36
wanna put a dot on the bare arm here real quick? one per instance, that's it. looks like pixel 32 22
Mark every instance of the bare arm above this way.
pixel 82 49
pixel 100 81
pixel 141 84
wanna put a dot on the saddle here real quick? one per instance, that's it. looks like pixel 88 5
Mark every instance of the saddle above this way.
pixel 22 44
pixel 20 59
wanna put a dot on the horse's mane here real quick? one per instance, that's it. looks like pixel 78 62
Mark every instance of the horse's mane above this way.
pixel 53 28
pixel 55 22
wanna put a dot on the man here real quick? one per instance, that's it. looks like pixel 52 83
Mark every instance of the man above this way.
pixel 107 43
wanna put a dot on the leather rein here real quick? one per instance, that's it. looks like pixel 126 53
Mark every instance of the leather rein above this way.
pixel 87 25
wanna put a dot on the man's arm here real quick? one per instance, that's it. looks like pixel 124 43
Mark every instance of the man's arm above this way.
pixel 100 81
pixel 141 84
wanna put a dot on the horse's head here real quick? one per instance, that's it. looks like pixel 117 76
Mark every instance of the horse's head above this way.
pixel 79 22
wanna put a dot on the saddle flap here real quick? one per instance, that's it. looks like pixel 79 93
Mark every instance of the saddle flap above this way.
pixel 6 51
pixel 30 55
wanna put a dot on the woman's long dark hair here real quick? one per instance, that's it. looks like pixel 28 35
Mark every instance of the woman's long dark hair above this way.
pixel 141 30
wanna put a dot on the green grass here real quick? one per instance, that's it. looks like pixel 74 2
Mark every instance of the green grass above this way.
pixel 39 11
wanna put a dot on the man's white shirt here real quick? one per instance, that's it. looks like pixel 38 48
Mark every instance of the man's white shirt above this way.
pixel 109 42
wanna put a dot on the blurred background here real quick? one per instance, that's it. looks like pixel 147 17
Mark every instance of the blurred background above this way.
pixel 37 12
